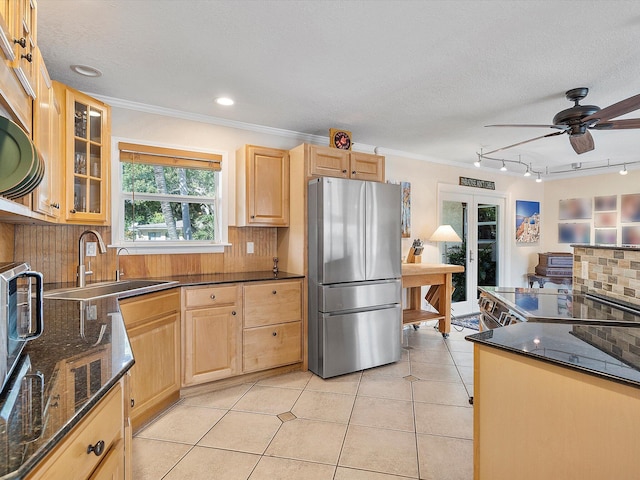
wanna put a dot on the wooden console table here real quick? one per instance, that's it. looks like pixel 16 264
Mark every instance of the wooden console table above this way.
pixel 438 276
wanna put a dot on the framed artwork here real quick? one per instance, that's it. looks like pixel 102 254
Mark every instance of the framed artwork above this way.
pixel 630 208
pixel 575 209
pixel 605 204
pixel 406 209
pixel 574 233
pixel 631 235
pixel 527 222
pixel 606 236
pixel 605 219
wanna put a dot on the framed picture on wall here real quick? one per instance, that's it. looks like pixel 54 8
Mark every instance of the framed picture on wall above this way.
pixel 406 209
pixel 574 233
pixel 630 208
pixel 527 222
pixel 575 209
pixel 605 204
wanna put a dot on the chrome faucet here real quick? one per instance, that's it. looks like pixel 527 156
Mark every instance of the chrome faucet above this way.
pixel 118 272
pixel 82 272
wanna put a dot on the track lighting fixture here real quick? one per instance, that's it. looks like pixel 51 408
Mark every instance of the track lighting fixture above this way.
pixel 538 180
pixel 624 169
pixel 527 173
pixel 504 167
pixel 477 162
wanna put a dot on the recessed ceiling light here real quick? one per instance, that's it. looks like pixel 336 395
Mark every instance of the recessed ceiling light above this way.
pixel 226 101
pixel 86 70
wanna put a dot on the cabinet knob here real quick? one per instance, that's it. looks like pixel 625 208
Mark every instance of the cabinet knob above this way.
pixel 233 313
pixel 22 42
pixel 133 403
pixel 97 449
pixel 275 334
pixel 28 57
pixel 344 171
pixel 253 216
pixel 212 296
pixel 274 292
pixel 73 210
pixel 353 173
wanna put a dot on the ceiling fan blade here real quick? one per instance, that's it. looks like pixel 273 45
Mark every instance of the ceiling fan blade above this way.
pixel 559 127
pixel 617 124
pixel 612 111
pixel 582 143
pixel 522 143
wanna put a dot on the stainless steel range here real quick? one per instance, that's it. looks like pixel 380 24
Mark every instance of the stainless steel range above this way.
pixel 502 306
pixel 18 323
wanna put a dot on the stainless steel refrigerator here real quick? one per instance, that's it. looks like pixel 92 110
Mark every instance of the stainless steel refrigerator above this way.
pixel 355 311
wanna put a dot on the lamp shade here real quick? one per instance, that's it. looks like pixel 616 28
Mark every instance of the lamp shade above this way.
pixel 445 233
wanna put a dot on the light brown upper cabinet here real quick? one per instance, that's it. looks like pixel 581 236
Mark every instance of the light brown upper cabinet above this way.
pixel 17 72
pixel 87 143
pixel 332 162
pixel 47 139
pixel 262 187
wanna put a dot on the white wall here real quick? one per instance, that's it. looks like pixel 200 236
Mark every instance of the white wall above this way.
pixel 424 176
pixel 581 187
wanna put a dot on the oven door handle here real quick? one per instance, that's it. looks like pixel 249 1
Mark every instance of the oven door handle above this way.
pixel 39 305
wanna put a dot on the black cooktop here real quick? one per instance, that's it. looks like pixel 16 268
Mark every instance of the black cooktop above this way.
pixel 562 305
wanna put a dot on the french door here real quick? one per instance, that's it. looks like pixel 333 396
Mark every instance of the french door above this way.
pixel 479 222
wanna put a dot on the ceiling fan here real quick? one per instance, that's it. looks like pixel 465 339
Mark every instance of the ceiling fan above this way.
pixel 579 119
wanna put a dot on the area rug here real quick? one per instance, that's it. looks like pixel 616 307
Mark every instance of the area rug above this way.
pixel 468 321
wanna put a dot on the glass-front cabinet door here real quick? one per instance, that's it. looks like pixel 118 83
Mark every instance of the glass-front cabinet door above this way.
pixel 87 147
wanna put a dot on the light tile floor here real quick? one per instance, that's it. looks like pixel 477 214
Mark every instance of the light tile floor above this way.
pixel 411 419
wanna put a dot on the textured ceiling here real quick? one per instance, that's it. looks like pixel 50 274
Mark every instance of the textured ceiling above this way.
pixel 422 77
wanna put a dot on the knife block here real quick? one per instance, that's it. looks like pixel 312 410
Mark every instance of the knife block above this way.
pixel 412 257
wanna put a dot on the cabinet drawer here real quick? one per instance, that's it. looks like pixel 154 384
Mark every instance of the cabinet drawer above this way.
pixel 272 303
pixel 70 458
pixel 211 296
pixel 147 307
pixel 271 346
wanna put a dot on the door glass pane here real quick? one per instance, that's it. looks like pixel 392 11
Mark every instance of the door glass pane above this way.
pixel 455 253
pixel 487 245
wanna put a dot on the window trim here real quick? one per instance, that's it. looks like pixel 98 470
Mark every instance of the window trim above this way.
pixel 164 247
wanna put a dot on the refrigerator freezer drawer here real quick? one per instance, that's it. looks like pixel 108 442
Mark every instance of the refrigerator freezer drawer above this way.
pixel 337 298
pixel 356 341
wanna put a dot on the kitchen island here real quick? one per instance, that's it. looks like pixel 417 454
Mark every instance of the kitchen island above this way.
pixel 556 401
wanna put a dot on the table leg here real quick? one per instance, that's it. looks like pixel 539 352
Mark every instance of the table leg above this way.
pixel 444 307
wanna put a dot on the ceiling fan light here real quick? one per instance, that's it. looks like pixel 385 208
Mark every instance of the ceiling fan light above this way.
pixel 624 170
pixel 477 162
pixel 503 168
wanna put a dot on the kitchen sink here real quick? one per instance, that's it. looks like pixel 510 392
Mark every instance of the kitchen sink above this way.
pixel 106 289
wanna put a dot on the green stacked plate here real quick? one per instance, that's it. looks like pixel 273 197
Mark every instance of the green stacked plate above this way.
pixel 21 168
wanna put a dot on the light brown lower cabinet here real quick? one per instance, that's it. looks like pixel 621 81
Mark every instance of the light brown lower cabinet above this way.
pixel 212 333
pixel 153 327
pixel 233 329
pixel 103 429
pixel 272 334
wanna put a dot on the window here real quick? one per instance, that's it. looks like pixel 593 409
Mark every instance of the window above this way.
pixel 168 197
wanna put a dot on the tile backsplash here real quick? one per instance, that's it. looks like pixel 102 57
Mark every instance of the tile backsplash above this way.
pixel 614 272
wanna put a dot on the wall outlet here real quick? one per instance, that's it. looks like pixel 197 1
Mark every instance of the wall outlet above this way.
pixel 249 247
pixel 92 312
pixel 91 249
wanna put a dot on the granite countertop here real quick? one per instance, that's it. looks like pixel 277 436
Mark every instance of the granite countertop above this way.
pixel 610 352
pixel 83 351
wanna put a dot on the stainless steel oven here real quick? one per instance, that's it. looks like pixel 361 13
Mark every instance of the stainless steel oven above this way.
pixel 20 291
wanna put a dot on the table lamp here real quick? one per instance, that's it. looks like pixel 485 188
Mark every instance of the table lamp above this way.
pixel 445 233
